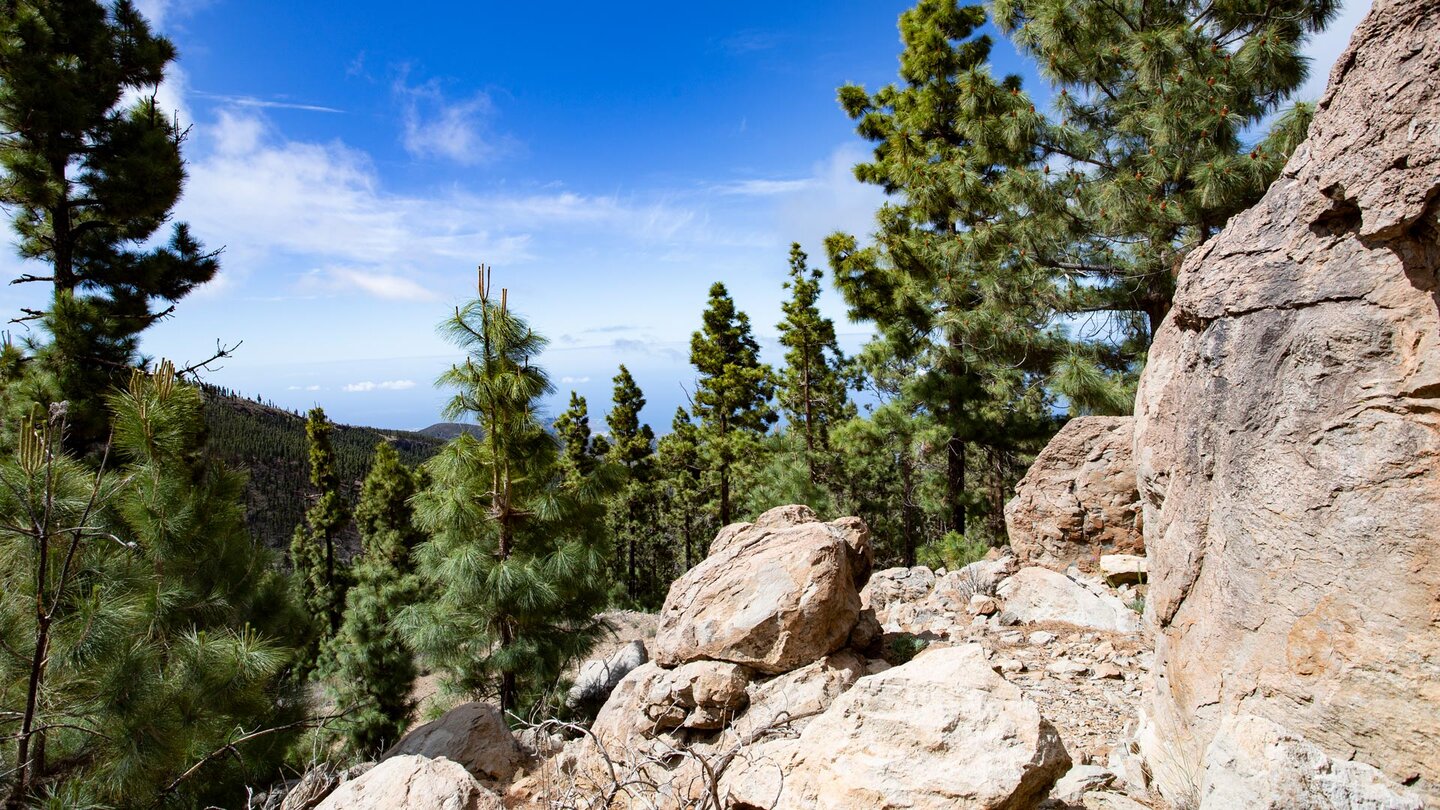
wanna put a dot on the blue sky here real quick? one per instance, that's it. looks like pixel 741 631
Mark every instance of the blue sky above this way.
pixel 609 161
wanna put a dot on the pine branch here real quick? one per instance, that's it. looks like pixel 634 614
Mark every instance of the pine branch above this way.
pixel 222 352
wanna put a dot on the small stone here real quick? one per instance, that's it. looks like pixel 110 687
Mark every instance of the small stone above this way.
pixel 982 605
pixel 1107 672
pixel 1040 638
pixel 1066 668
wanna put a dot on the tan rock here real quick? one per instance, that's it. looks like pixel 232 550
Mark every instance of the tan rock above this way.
pixel 1122 569
pixel 1042 595
pixel 775 598
pixel 411 782
pixel 473 734
pixel 982 605
pixel 1254 763
pixel 1079 499
pixel 798 696
pixel 702 695
pixel 1288 438
pixel 942 731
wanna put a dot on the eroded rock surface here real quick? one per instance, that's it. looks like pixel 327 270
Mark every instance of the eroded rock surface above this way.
pixel 473 734
pixel 774 596
pixel 1288 440
pixel 1041 595
pixel 942 731
pixel 413 783
pixel 1079 499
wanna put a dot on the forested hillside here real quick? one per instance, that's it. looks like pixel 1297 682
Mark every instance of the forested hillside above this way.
pixel 269 443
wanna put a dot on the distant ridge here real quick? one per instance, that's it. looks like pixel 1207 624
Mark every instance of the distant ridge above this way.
pixel 269 443
pixel 445 431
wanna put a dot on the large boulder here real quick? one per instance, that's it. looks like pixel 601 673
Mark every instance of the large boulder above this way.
pixel 941 731
pixel 774 595
pixel 1078 500
pixel 473 734
pixel 1041 595
pixel 413 783
pixel 1288 439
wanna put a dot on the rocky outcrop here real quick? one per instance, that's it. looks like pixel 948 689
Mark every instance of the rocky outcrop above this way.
pixel 413 783
pixel 942 731
pixel 474 735
pixel 774 596
pixel 1079 499
pixel 1040 595
pixel 1288 444
pixel 599 676
pixel 916 600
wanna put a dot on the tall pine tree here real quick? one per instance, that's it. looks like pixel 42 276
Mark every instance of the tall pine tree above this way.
pixel 632 514
pixel 733 392
pixel 314 552
pixel 515 564
pixel 1152 148
pixel 812 388
pixel 368 663
pixel 572 426
pixel 91 170
pixel 945 281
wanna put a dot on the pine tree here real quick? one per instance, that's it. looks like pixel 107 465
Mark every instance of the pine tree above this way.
pixel 515 564
pixel 681 485
pixel 632 514
pixel 573 428
pixel 945 281
pixel 314 557
pixel 1151 148
pixel 812 387
pixel 141 629
pixel 92 168
pixel 368 663
pixel 732 396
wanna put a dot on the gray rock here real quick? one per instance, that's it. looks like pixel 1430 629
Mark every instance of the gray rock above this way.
pixel 598 677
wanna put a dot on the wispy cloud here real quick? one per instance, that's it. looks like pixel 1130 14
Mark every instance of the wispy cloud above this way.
pixel 266 104
pixel 437 127
pixel 387 286
pixel 303 388
pixel 764 188
pixel 574 380
pixel 387 385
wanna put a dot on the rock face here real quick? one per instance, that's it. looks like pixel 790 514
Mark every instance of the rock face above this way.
pixel 942 731
pixel 413 783
pixel 1255 763
pixel 1041 595
pixel 774 596
pixel 1079 499
pixel 598 677
pixel 1288 440
pixel 474 735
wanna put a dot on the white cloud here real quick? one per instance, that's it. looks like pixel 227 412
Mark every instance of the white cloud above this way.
pixel 303 388
pixel 764 188
pixel 440 128
pixel 1325 48
pixel 323 206
pixel 388 385
pixel 574 380
pixel 251 101
pixel 387 286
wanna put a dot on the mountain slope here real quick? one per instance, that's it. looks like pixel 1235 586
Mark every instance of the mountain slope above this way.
pixel 269 443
